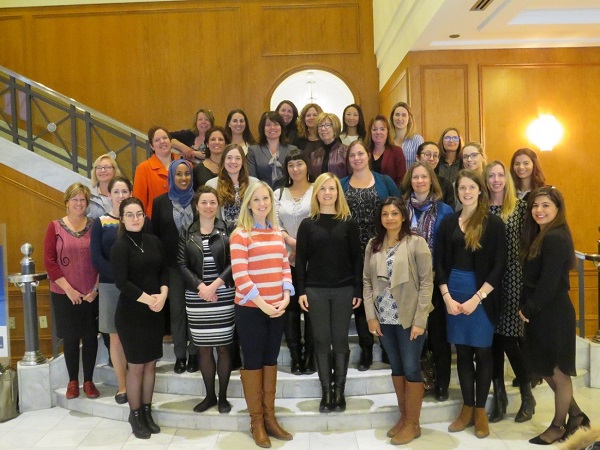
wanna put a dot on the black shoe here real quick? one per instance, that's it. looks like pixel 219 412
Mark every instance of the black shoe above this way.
pixel 205 404
pixel 223 406
pixel 338 404
pixel 500 401
pixel 308 363
pixel 441 394
pixel 147 414
pixel 179 365
pixel 539 441
pixel 121 398
pixel 527 409
pixel 192 364
pixel 366 358
pixel 325 406
pixel 138 424
pixel 296 361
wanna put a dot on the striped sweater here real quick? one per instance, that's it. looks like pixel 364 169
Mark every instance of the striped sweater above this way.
pixel 260 265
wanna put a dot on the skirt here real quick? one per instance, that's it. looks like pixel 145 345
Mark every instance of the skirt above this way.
pixel 476 329
pixel 74 321
pixel 108 297
pixel 211 323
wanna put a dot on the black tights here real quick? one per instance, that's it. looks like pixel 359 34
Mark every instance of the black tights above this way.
pixel 89 349
pixel 208 368
pixel 511 346
pixel 140 384
pixel 474 384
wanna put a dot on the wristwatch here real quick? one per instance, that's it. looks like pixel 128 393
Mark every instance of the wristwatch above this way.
pixel 482 295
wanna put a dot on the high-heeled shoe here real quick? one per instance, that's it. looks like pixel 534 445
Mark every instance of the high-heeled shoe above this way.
pixel 574 424
pixel 539 441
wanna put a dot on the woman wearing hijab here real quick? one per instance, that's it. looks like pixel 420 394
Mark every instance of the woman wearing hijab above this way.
pixel 172 215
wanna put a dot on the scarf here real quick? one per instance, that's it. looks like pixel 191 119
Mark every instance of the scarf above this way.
pixel 425 224
pixel 183 217
pixel 176 195
pixel 276 167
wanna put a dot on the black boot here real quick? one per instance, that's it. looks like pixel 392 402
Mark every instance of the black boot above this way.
pixel 138 424
pixel 527 409
pixel 308 361
pixel 147 413
pixel 295 365
pixel 340 369
pixel 366 358
pixel 500 401
pixel 324 370
pixel 236 358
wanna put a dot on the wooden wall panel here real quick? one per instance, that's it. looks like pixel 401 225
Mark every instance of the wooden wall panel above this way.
pixel 398 92
pixel 444 101
pixel 12 39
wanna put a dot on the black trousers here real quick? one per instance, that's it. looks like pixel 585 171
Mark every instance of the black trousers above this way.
pixel 293 322
pixel 438 340
pixel 330 310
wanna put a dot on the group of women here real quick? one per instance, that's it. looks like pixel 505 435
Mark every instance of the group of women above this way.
pixel 325 221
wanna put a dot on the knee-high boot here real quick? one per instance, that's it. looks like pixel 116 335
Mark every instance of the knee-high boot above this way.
pixel 340 370
pixel 500 401
pixel 399 388
pixel 324 371
pixel 271 425
pixel 252 380
pixel 411 429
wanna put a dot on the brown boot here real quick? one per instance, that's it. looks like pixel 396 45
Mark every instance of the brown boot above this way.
pixel 413 400
pixel 252 380
pixel 399 388
pixel 481 423
pixel 271 425
pixel 464 420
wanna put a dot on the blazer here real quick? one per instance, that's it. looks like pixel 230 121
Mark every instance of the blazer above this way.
pixel 490 258
pixel 394 163
pixel 190 257
pixel 150 181
pixel 411 284
pixel 163 226
pixel 259 157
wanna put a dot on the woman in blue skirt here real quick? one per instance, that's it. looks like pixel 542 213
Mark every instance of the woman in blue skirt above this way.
pixel 470 257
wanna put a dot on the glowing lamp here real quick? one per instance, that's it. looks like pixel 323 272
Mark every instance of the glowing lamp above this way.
pixel 545 132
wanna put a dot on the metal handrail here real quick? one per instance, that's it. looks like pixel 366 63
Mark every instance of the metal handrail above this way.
pixel 595 258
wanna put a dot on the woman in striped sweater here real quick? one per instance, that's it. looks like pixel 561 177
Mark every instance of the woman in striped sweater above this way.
pixel 263 285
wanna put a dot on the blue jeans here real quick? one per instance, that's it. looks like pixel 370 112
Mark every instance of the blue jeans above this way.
pixel 404 354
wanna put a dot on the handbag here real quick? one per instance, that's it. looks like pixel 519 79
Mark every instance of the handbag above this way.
pixel 427 369
pixel 8 394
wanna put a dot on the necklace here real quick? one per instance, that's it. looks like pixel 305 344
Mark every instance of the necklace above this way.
pixel 133 242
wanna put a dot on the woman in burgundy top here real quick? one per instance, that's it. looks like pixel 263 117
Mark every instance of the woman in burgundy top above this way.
pixel 386 157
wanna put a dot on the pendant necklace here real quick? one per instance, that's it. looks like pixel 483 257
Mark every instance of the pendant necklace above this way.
pixel 133 242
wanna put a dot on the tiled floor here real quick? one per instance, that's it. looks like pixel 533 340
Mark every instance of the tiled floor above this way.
pixel 62 429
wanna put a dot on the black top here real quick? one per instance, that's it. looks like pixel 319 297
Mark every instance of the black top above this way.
pixel 201 175
pixel 464 259
pixel 447 192
pixel 186 137
pixel 489 259
pixel 328 254
pixel 327 148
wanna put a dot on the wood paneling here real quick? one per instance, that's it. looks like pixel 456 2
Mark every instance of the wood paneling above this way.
pixel 398 92
pixel 13 56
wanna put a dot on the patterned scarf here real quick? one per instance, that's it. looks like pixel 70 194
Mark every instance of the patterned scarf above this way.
pixel 425 224
pixel 276 168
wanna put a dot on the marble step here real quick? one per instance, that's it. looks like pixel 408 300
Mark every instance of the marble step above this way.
pixel 295 414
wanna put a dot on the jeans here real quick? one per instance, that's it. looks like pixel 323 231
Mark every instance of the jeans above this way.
pixel 404 354
pixel 260 336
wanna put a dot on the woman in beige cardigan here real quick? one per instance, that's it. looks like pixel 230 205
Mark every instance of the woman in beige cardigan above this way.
pixel 397 290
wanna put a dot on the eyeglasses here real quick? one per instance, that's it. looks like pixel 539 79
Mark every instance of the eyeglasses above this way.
pixel 451 138
pixel 429 155
pixel 324 126
pixel 472 156
pixel 78 200
pixel 130 215
pixel 103 168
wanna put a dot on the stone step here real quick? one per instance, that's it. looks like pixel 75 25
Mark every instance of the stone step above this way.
pixel 364 411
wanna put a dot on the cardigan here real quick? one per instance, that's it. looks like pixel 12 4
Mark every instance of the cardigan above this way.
pixel 490 259
pixel 383 184
pixel 150 181
pixel 393 163
pixel 411 284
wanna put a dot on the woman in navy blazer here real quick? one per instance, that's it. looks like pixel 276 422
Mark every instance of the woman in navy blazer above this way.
pixel 265 160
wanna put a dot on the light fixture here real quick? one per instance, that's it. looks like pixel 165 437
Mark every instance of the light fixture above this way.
pixel 545 132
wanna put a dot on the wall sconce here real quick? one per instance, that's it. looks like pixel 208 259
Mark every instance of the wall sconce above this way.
pixel 545 132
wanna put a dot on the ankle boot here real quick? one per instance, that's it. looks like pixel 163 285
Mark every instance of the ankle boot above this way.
pixel 410 429
pixel 399 388
pixel 482 428
pixel 340 370
pixel 366 358
pixel 271 425
pixel 147 413
pixel 138 424
pixel 296 363
pixel 464 420
pixel 500 401
pixel 252 381
pixel 324 370
pixel 527 409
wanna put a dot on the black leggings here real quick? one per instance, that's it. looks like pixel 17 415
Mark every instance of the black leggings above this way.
pixel 260 336
pixel 89 349
pixel 474 384
pixel 509 345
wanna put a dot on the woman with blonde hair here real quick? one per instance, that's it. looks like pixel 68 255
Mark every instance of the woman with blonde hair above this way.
pixel 104 169
pixel 329 283
pixel 509 329
pixel 190 143
pixel 473 157
pixel 308 138
pixel 263 285
pixel 330 156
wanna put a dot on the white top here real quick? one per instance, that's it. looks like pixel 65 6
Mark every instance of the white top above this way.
pixel 290 212
pixel 347 140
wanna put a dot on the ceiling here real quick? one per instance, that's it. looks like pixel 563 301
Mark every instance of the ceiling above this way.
pixel 512 24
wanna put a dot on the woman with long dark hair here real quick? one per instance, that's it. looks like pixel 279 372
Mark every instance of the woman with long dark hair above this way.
pixel 450 145
pixel 397 287
pixel 216 141
pixel 470 256
pixel 289 113
pixel 354 126
pixel 238 127
pixel 547 254
pixel 526 172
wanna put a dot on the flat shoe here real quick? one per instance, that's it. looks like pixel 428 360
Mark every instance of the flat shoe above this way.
pixel 179 365
pixel 121 398
pixel 90 390
pixel 72 390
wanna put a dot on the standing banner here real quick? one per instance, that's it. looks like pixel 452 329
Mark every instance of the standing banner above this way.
pixel 3 296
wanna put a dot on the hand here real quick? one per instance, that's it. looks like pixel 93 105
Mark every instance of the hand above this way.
pixel 303 302
pixel 292 257
pixel 91 296
pixel 187 152
pixel 268 309
pixel 470 305
pixel 452 306
pixel 159 303
pixel 415 332
pixel 356 302
pixel 523 318
pixel 208 293
pixel 74 295
pixel 374 327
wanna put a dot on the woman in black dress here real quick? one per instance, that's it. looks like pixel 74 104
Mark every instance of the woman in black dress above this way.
pixel 141 274
pixel 547 253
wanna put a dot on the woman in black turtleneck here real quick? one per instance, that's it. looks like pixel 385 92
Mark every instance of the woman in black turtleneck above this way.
pixel 140 270
pixel 331 155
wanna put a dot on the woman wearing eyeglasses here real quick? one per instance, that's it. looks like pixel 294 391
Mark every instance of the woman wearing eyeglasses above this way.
pixel 429 152
pixel 139 265
pixel 386 157
pixel 473 157
pixel 104 169
pixel 450 145
pixel 331 155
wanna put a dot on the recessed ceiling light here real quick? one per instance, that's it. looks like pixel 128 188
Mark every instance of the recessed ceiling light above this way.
pixel 454 36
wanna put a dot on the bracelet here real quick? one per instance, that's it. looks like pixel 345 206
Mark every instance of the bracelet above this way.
pixel 447 292
pixel 479 295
